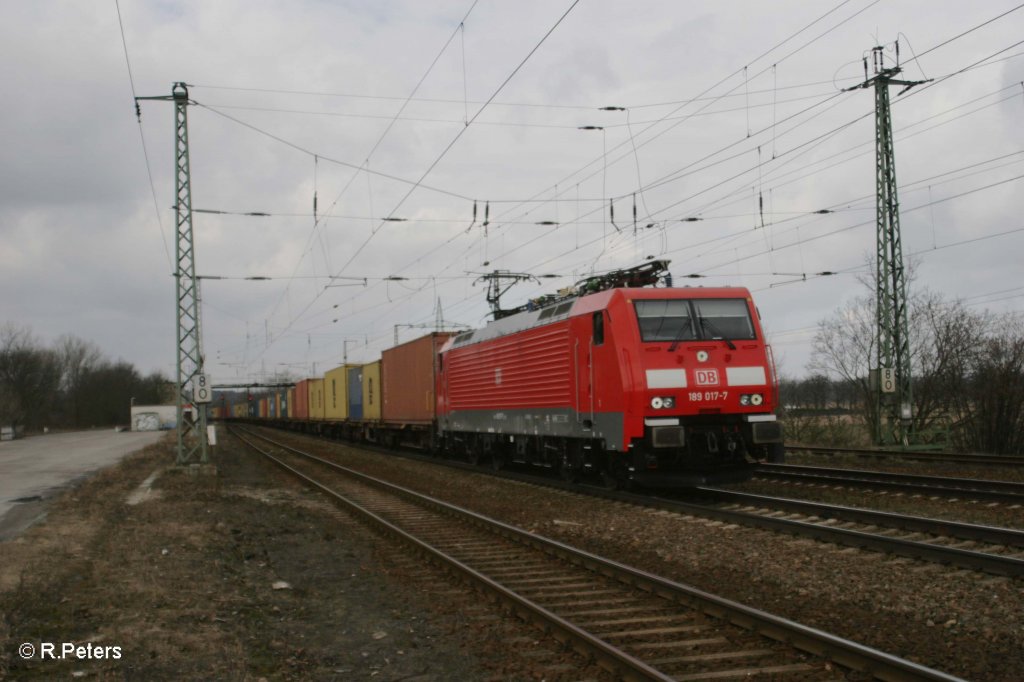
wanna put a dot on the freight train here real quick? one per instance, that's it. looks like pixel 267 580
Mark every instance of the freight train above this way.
pixel 623 376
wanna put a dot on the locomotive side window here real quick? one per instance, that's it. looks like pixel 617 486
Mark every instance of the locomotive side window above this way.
pixel 598 328
pixel 665 320
pixel 724 318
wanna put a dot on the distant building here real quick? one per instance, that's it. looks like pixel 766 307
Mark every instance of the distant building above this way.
pixel 157 417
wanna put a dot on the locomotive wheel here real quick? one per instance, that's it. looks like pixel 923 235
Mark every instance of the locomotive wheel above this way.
pixel 614 476
pixel 610 481
pixel 568 472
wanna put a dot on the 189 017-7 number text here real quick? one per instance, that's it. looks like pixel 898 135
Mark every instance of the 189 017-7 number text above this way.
pixel 700 396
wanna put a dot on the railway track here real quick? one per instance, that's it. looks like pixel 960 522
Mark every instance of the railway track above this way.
pixel 993 550
pixel 635 624
pixel 962 488
pixel 999 551
pixel 989 549
pixel 925 456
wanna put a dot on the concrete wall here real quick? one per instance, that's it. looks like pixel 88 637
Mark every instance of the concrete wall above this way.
pixel 155 417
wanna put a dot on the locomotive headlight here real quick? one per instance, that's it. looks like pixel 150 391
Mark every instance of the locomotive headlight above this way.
pixel 663 402
pixel 756 399
pixel 744 400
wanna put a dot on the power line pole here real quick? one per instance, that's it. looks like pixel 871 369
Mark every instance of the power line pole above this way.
pixel 193 387
pixel 894 394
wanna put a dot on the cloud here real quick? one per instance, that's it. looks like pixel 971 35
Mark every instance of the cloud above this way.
pixel 81 238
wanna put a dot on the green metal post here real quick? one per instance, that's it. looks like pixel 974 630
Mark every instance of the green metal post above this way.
pixel 192 446
pixel 894 394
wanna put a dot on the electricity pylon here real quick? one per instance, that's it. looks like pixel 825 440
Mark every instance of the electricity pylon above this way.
pixel 894 394
pixel 192 443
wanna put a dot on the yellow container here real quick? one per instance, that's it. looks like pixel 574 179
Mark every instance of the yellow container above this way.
pixel 317 405
pixel 291 403
pixel 336 393
pixel 371 391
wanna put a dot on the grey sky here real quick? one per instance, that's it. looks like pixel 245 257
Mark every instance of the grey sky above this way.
pixel 83 253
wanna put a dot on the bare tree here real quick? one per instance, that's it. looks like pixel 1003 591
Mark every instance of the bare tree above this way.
pixel 966 368
pixel 68 385
pixel 29 377
pixel 844 349
pixel 984 380
pixel 77 359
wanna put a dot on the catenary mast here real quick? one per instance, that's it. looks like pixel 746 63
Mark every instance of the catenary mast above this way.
pixel 894 391
pixel 192 385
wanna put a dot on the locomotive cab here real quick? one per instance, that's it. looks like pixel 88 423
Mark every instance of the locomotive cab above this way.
pixel 699 383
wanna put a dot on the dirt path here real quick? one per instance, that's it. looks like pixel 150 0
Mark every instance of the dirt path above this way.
pixel 239 576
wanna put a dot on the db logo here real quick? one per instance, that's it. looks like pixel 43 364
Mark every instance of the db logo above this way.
pixel 706 377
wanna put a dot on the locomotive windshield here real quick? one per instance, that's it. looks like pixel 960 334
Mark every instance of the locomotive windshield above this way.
pixel 690 319
pixel 665 320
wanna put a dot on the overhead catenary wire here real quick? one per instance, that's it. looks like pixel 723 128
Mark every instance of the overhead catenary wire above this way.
pixel 867 146
pixel 872 222
pixel 458 136
pixel 918 90
pixel 603 157
pixel 787 40
pixel 976 62
pixel 527 222
pixel 584 245
pixel 509 124
pixel 569 178
pixel 964 33
pixel 142 139
pixel 528 105
pixel 364 167
pixel 803 46
pixel 330 159
pixel 809 144
pixel 745 232
pixel 450 145
pixel 811 276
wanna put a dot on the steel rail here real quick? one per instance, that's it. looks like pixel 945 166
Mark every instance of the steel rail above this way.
pixel 978 561
pixel 926 456
pixel 612 658
pixel 842 651
pixel 963 531
pixel 962 558
pixel 997 491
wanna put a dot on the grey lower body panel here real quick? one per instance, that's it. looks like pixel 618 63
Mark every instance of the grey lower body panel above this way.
pixel 546 422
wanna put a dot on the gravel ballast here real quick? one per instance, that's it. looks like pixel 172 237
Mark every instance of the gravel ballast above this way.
pixel 958 621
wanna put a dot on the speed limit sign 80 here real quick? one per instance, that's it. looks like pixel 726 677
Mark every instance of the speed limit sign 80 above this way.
pixel 202 391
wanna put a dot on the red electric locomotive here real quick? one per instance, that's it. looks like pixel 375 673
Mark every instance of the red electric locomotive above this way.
pixel 640 383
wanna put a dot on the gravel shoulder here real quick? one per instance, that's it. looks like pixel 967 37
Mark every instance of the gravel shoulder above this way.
pixel 242 575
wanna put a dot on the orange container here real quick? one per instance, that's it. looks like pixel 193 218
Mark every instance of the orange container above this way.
pixel 408 376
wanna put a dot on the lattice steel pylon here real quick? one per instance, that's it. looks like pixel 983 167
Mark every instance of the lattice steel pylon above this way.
pixel 192 445
pixel 192 442
pixel 894 393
